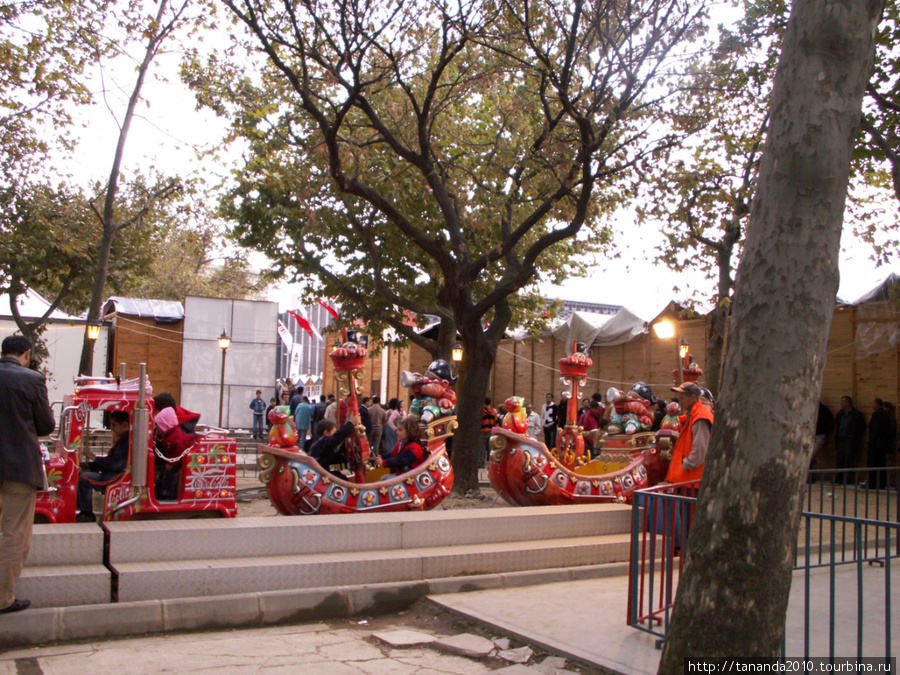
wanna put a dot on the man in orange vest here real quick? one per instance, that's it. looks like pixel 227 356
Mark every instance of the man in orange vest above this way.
pixel 689 453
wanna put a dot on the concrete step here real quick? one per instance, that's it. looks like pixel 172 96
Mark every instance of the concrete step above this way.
pixel 65 567
pixel 227 576
pixel 169 559
pixel 65 585
pixel 161 540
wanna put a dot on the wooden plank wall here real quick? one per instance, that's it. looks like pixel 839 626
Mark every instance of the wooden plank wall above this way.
pixel 140 340
pixel 530 368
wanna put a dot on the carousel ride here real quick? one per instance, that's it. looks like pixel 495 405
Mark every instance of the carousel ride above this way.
pixel 298 485
pixel 525 472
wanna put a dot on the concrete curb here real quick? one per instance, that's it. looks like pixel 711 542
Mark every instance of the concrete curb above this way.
pixel 82 622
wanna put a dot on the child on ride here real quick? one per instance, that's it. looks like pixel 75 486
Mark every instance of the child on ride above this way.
pixel 407 454
pixel 173 442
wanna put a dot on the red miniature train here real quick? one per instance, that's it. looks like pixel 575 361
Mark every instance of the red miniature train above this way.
pixel 208 476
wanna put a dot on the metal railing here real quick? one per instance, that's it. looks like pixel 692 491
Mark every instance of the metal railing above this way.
pixel 660 524
pixel 846 522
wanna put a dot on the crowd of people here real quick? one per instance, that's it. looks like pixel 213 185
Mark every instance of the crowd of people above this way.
pixel 324 427
pixel 850 429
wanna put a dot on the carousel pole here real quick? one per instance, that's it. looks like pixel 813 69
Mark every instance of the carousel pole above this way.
pixel 352 410
pixel 572 408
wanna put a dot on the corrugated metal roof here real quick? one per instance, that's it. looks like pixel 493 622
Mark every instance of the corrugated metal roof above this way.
pixel 163 311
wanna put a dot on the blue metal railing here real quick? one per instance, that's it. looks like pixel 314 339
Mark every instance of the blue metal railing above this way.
pixel 844 523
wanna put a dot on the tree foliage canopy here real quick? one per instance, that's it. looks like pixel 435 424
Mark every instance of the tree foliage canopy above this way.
pixel 439 157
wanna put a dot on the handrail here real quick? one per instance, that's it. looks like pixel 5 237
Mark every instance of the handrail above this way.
pixel 660 517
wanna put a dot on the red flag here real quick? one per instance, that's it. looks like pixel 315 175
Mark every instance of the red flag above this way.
pixel 304 323
pixel 328 308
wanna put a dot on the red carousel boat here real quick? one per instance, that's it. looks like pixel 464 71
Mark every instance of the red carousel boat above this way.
pixel 298 485
pixel 526 473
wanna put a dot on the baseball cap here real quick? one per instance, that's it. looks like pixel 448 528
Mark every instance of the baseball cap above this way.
pixel 688 388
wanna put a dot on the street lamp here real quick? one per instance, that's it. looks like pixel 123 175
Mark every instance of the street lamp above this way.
pixel 666 329
pixel 224 343
pixel 684 350
pixel 93 330
pixel 456 353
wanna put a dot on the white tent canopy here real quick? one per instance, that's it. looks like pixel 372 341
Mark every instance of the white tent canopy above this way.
pixel 601 329
pixel 32 305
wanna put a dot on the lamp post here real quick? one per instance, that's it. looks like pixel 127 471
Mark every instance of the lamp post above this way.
pixel 684 351
pixel 92 332
pixel 224 342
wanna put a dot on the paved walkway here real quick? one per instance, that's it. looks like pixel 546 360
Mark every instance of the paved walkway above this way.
pixel 583 621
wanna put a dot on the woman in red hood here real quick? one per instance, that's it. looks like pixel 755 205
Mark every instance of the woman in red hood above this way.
pixel 187 420
pixel 172 441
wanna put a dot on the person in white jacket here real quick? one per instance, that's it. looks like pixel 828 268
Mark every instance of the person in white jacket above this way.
pixel 534 422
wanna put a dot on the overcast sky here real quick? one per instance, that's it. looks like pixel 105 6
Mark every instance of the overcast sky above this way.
pixel 168 127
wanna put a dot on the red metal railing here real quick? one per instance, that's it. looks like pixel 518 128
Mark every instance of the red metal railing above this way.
pixel 661 521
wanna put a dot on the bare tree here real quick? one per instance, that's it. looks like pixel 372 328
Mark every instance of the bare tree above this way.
pixel 161 26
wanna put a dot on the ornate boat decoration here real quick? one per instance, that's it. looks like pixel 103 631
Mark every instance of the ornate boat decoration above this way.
pixel 298 485
pixel 526 473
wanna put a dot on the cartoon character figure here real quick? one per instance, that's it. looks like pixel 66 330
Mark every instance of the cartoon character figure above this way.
pixel 283 433
pixel 632 412
pixel 670 422
pixel 432 396
pixel 516 420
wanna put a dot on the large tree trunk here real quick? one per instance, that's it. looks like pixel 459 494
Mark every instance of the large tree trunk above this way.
pixel 733 595
pixel 715 345
pixel 480 352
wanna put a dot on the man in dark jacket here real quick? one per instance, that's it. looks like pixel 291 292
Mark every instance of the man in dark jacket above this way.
pixel 850 427
pixel 880 444
pixel 296 399
pixel 24 416
pixel 101 471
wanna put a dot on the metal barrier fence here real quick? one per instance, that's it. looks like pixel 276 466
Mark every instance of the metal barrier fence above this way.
pixel 845 522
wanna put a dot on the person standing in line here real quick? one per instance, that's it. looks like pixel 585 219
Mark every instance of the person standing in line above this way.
pixel 689 453
pixel 880 444
pixel 378 416
pixel 302 420
pixel 258 406
pixel 488 422
pixel 295 399
pixel 25 415
pixel 851 426
pixel 549 419
pixel 534 423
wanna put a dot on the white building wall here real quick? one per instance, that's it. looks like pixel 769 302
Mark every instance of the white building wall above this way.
pixel 249 361
pixel 64 342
